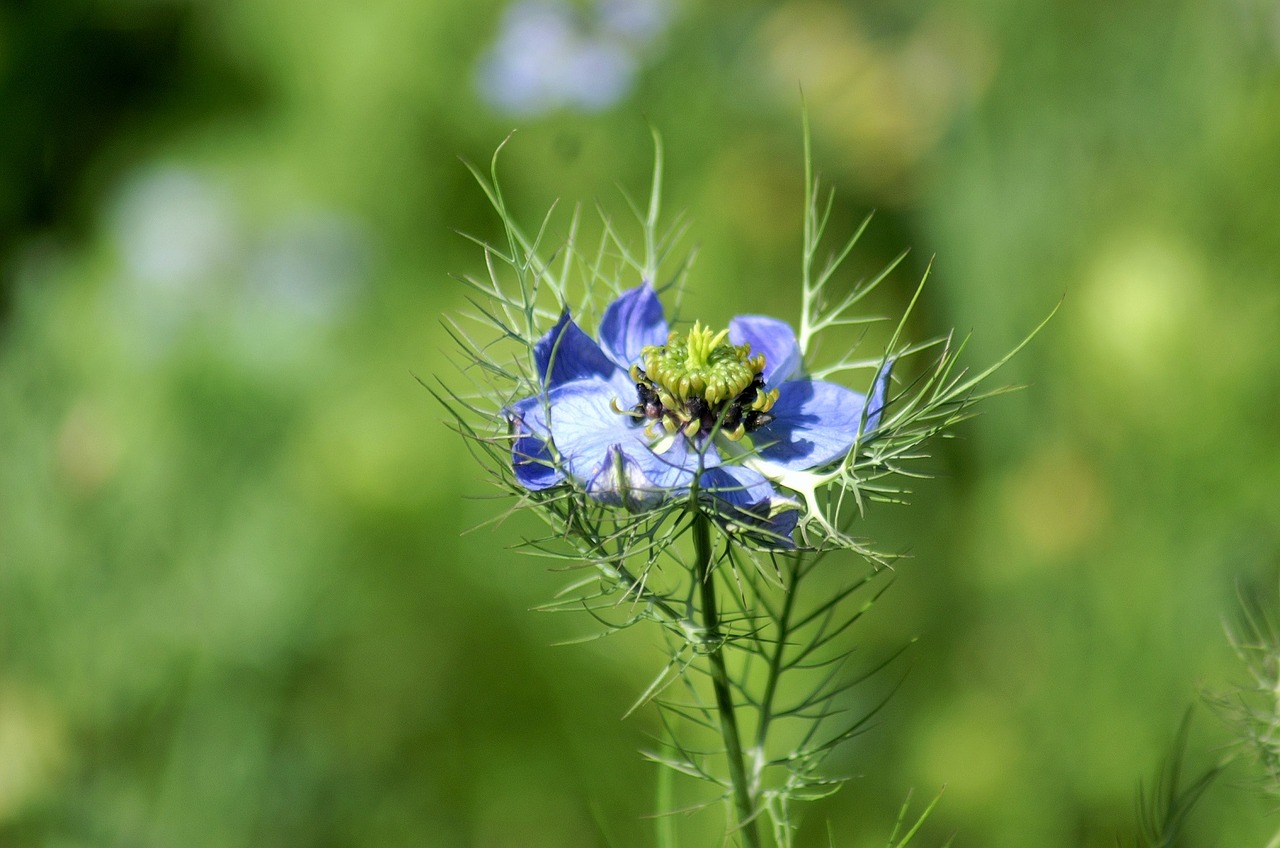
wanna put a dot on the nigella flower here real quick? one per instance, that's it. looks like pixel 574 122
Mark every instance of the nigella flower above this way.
pixel 645 416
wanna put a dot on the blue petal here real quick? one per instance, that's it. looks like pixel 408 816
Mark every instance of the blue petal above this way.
pixel 533 464
pixel 814 423
pixel 634 477
pixel 747 500
pixel 531 458
pixel 632 321
pixel 566 353
pixel 621 481
pixel 592 439
pixel 879 398
pixel 775 339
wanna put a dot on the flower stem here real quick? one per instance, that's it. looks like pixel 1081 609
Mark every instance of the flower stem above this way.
pixel 742 800
pixel 795 571
pixel 614 565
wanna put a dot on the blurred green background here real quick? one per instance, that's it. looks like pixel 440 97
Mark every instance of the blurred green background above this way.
pixel 235 605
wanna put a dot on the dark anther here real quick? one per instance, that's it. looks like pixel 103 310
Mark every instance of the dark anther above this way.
pixel 699 410
pixel 727 416
pixel 649 405
pixel 732 416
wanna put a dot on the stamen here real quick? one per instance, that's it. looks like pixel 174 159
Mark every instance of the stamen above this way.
pixel 699 383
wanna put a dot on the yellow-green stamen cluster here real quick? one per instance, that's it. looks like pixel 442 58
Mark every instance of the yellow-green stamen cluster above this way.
pixel 699 382
pixel 702 364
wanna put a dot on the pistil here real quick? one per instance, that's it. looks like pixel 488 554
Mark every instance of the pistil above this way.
pixel 699 383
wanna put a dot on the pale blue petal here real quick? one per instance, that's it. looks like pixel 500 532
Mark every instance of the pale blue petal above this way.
pixel 630 323
pixel 814 423
pixel 591 439
pixel 566 353
pixel 680 461
pixel 775 339
pixel 621 482
pixel 633 476
pixel 746 500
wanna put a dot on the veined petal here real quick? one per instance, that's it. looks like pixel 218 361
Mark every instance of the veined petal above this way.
pixel 591 439
pixel 622 482
pixel 533 464
pixel 746 499
pixel 531 457
pixel 814 423
pixel 775 339
pixel 565 353
pixel 632 321
pixel 676 460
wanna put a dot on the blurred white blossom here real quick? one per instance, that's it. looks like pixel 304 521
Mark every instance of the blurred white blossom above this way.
pixel 550 55
pixel 191 265
pixel 172 227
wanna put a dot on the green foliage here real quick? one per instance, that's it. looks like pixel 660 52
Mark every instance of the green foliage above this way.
pixel 1164 809
pixel 1251 708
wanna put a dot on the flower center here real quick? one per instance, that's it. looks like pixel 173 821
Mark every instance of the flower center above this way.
pixel 698 382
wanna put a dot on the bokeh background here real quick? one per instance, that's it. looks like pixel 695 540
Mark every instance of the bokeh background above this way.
pixel 236 605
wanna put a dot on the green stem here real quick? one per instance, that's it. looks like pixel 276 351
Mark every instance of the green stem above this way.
pixel 742 799
pixel 775 661
pixel 617 564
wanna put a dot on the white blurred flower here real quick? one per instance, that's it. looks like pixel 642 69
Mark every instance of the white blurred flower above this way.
pixel 172 227
pixel 547 56
pixel 192 269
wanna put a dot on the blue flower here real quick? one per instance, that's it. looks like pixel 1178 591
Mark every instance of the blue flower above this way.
pixel 644 416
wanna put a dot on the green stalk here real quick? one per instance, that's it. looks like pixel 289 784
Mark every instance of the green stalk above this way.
pixel 742 800
pixel 775 661
pixel 617 563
